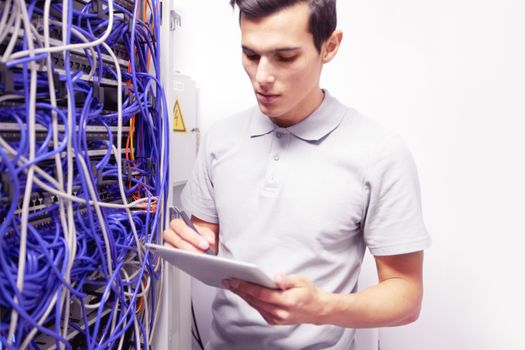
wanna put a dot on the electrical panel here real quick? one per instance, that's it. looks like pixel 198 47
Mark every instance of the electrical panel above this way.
pixel 84 153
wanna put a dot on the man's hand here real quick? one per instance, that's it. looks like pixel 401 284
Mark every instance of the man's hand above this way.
pixel 179 235
pixel 297 301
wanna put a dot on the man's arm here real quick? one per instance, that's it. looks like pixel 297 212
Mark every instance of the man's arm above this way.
pixel 179 235
pixel 395 300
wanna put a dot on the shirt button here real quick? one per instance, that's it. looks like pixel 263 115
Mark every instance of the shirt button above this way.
pixel 276 157
pixel 279 135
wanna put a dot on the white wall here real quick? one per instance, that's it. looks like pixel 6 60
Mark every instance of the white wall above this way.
pixel 449 76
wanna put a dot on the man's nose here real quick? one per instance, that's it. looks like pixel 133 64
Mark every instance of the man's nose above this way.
pixel 264 74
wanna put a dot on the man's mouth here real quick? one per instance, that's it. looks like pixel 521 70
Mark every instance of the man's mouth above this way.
pixel 266 98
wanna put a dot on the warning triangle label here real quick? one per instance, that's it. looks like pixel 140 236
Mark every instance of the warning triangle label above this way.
pixel 178 120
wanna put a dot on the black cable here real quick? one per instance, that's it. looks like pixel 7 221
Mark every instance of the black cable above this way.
pixel 197 336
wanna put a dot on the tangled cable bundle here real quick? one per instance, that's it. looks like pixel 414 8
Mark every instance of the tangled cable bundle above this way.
pixel 83 173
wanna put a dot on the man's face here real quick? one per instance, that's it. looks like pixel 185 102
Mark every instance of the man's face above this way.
pixel 283 64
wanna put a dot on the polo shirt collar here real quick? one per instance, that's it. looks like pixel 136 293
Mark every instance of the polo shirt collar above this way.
pixel 260 124
pixel 316 126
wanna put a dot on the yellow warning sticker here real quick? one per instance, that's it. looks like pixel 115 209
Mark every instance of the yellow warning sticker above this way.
pixel 178 120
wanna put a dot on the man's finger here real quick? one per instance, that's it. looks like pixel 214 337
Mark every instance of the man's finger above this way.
pixel 261 293
pixel 188 234
pixel 288 281
pixel 207 234
pixel 175 240
pixel 272 314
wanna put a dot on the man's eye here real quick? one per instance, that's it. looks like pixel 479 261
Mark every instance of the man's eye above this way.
pixel 251 57
pixel 286 58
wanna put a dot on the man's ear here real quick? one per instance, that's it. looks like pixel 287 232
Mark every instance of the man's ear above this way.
pixel 331 45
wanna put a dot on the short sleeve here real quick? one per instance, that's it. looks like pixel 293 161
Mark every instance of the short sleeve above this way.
pixel 198 195
pixel 393 222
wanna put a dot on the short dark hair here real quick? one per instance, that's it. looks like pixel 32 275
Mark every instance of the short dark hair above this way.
pixel 323 14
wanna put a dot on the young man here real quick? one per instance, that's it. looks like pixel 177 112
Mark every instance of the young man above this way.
pixel 302 185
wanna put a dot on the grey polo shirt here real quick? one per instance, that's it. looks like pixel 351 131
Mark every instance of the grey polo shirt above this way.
pixel 307 199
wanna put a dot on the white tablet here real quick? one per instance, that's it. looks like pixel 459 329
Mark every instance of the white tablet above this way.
pixel 211 269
